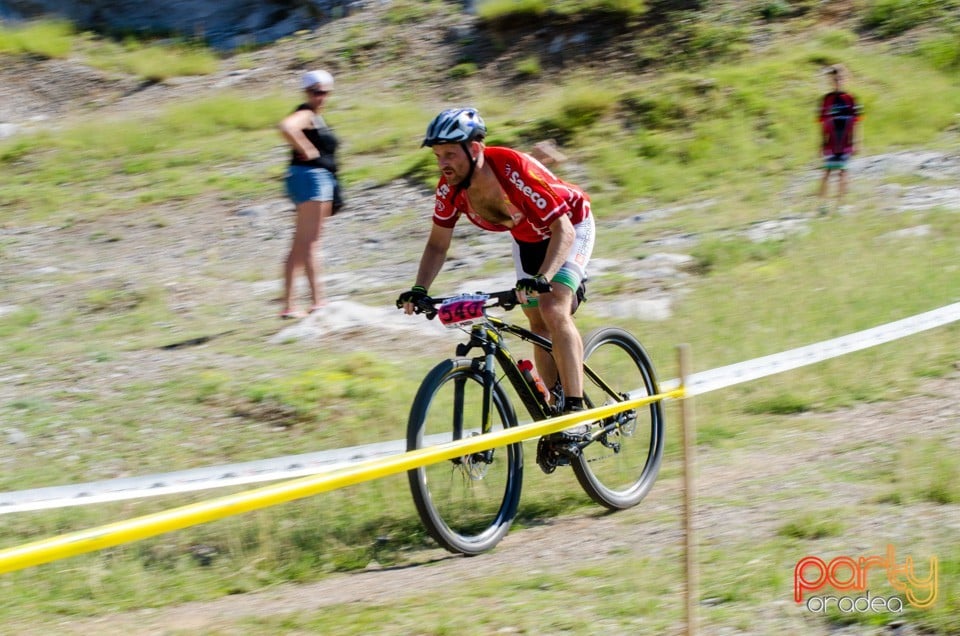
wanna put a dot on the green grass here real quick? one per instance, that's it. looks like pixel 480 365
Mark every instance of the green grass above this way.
pixel 408 11
pixel 672 140
pixel 153 62
pixel 154 159
pixel 46 39
pixel 893 17
pixel 812 526
pixel 924 471
pixel 507 11
pixel 942 51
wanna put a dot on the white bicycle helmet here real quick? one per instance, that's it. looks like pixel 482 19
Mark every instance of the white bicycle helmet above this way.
pixel 455 125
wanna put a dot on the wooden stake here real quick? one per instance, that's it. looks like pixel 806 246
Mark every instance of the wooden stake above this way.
pixel 689 433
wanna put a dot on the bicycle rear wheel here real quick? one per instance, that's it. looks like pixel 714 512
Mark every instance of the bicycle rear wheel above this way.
pixel 467 503
pixel 619 469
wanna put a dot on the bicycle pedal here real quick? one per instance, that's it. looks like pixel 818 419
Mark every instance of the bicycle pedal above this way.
pixel 557 450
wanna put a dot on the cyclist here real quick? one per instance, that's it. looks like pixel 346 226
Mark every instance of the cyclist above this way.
pixel 500 189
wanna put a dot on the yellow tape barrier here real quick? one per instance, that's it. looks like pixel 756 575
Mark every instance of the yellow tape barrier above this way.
pixel 72 544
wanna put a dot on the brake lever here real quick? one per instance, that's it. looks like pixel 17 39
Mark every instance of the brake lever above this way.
pixel 427 308
pixel 508 300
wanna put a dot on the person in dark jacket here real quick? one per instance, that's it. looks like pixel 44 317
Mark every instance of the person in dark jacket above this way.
pixel 311 183
pixel 838 116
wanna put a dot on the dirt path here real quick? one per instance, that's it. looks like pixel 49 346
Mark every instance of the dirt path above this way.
pixel 155 256
pixel 651 530
pixel 141 253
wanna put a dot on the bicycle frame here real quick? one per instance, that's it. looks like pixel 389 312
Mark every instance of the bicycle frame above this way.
pixel 487 335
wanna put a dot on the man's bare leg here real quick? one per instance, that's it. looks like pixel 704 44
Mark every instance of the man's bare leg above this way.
pixel 567 342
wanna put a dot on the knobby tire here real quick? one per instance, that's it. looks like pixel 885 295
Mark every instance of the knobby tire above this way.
pixel 467 504
pixel 620 474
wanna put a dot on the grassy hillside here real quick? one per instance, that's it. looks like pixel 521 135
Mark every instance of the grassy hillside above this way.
pixel 664 128
pixel 695 116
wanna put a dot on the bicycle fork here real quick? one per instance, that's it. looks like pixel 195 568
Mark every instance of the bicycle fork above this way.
pixel 486 420
pixel 475 462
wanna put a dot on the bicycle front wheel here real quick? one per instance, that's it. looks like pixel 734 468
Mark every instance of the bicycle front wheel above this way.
pixel 619 468
pixel 467 503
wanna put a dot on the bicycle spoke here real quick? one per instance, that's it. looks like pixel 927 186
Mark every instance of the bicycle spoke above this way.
pixel 467 503
pixel 618 469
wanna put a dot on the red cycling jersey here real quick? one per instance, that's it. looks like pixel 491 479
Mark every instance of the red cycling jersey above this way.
pixel 535 197
pixel 839 114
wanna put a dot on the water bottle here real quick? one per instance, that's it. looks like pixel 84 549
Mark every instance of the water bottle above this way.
pixel 533 380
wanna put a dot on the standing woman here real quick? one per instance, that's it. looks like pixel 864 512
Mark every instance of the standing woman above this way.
pixel 311 181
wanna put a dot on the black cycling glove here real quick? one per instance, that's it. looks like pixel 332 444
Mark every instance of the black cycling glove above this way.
pixel 416 294
pixel 538 284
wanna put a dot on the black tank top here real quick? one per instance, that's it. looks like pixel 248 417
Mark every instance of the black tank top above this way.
pixel 323 140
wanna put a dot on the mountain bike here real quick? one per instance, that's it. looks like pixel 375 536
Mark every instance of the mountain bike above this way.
pixel 468 503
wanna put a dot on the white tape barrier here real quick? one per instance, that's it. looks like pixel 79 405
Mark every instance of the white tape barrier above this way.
pixel 750 370
pixel 313 463
pixel 195 479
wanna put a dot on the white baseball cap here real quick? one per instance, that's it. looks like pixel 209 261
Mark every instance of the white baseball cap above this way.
pixel 323 78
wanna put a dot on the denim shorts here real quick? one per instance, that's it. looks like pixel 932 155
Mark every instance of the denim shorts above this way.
pixel 307 183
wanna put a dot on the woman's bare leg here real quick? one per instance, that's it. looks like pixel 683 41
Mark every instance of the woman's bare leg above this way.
pixel 312 266
pixel 305 235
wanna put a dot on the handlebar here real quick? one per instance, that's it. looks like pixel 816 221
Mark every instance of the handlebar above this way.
pixel 506 299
